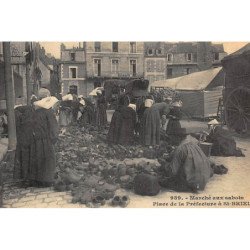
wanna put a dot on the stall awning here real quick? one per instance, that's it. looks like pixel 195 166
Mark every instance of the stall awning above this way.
pixel 195 81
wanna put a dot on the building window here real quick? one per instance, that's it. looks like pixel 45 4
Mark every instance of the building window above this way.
pixel 133 67
pixel 73 72
pixel 72 56
pixel 189 57
pixel 150 52
pixel 132 47
pixel 216 56
pixel 159 66
pixel 115 46
pixel 97 67
pixel 150 66
pixel 115 66
pixel 169 72
pixel 158 51
pixel 97 46
pixel 170 57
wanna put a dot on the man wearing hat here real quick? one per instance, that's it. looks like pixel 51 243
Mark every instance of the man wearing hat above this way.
pixel 189 169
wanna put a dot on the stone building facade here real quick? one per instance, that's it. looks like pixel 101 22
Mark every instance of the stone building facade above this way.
pixel 86 67
pixel 155 61
pixel 108 60
pixel 49 67
pixel 180 58
pixel 19 73
pixel 73 70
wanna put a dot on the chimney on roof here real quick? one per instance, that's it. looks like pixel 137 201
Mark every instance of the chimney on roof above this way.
pixel 204 55
pixel 63 47
pixel 43 50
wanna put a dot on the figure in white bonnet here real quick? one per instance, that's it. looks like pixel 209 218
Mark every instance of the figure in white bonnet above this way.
pixel 152 121
pixel 149 101
pixel 223 142
pixel 128 122
pixel 174 118
pixel 45 101
pixel 81 110
pixel 44 130
pixel 213 124
pixel 66 110
pixel 101 107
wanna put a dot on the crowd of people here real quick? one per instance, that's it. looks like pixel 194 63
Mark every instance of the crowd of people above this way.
pixel 148 120
pixel 38 126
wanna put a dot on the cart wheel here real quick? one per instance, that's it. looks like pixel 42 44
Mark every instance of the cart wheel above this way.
pixel 237 110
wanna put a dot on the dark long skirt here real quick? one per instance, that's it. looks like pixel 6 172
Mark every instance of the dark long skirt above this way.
pixel 88 116
pixel 151 127
pixel 43 161
pixel 22 161
pixel 127 127
pixel 115 127
pixel 101 116
pixel 172 126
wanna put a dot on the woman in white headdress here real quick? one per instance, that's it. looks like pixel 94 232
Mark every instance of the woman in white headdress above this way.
pixel 174 118
pixel 24 136
pixel 151 123
pixel 140 112
pixel 127 130
pixel 81 110
pixel 223 143
pixel 65 110
pixel 41 165
pixel 101 107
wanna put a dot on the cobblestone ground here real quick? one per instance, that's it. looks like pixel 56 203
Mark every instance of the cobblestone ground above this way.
pixel 35 198
pixel 235 183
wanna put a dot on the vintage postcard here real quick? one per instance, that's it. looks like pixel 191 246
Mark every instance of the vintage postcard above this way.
pixel 125 124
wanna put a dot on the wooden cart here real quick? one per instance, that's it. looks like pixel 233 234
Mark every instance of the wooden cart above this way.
pixel 132 89
pixel 236 96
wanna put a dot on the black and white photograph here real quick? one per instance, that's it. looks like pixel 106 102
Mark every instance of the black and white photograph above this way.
pixel 125 124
